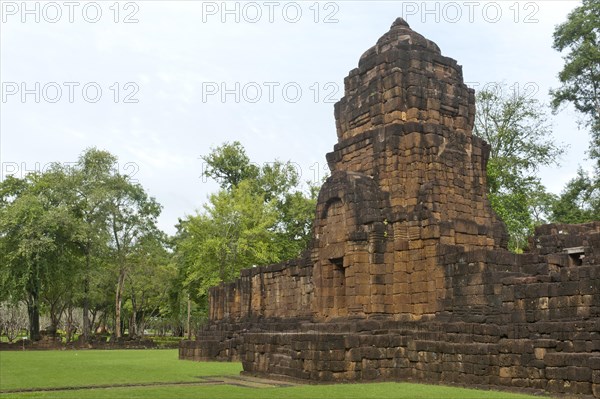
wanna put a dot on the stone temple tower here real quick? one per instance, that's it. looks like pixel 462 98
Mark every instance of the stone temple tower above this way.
pixel 408 177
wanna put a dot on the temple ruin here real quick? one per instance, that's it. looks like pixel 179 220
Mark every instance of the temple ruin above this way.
pixel 408 276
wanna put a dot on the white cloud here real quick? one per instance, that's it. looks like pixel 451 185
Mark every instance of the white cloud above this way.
pixel 171 52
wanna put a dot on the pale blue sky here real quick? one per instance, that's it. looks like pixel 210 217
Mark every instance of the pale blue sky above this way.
pixel 179 55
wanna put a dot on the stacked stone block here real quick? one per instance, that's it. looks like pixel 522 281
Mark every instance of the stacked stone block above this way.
pixel 450 352
pixel 278 290
pixel 404 78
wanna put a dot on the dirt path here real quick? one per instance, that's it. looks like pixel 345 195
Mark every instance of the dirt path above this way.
pixel 240 381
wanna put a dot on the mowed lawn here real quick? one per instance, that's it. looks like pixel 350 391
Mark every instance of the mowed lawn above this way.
pixel 92 368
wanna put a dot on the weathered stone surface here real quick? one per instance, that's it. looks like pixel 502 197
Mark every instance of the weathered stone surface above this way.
pixel 408 276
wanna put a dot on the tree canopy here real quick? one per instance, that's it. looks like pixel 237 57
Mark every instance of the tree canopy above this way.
pixel 521 141
pixel 579 202
pixel 259 216
pixel 69 232
pixel 579 35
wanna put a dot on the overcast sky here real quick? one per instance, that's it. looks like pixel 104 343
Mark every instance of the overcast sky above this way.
pixel 158 83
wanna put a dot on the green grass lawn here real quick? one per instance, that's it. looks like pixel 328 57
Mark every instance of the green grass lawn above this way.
pixel 68 368
pixel 47 369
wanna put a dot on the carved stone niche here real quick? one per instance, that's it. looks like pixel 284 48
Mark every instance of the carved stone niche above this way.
pixel 349 241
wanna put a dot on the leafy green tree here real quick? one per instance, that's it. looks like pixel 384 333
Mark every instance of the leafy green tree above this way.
pixel 579 35
pixel 186 300
pixel 259 216
pixel 279 184
pixel 233 233
pixel 522 206
pixel 116 214
pixel 102 291
pixel 37 230
pixel 94 176
pixel 69 237
pixel 520 138
pixel 148 281
pixel 228 165
pixel 132 217
pixel 579 202
pixel 580 76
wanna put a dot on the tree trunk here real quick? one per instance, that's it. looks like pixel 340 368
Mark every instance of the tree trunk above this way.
pixel 70 328
pixel 118 300
pixel 189 317
pixel 100 327
pixel 141 326
pixel 132 324
pixel 86 302
pixel 133 319
pixel 56 312
pixel 33 312
pixel 93 320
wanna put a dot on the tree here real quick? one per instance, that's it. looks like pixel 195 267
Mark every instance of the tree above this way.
pixel 580 76
pixel 115 215
pixel 233 233
pixel 67 235
pixel 521 140
pixel 186 297
pixel 13 320
pixel 149 280
pixel 278 183
pixel 36 235
pixel 259 216
pixel 93 175
pixel 579 202
pixel 228 165
pixel 132 217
